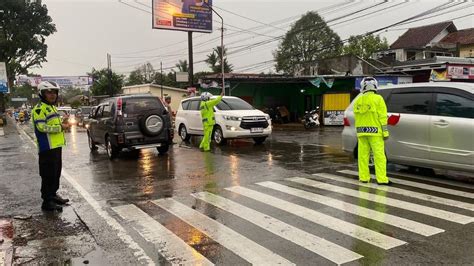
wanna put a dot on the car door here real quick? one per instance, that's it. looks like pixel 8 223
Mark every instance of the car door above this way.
pixel 93 123
pixel 410 137
pixel 98 128
pixel 452 127
pixel 194 117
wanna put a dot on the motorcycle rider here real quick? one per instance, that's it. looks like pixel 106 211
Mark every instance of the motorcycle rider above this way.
pixel 208 119
pixel 49 131
pixel 371 125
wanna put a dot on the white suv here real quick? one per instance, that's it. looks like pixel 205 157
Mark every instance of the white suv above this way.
pixel 235 118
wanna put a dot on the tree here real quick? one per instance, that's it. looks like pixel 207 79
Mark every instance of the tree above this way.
pixel 101 82
pixel 141 75
pixel 309 39
pixel 214 61
pixel 24 26
pixel 182 66
pixel 70 92
pixel 365 46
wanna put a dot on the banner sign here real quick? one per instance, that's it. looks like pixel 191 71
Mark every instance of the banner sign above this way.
pixel 62 81
pixel 184 15
pixel 461 71
pixel 386 81
pixel 334 118
pixel 3 78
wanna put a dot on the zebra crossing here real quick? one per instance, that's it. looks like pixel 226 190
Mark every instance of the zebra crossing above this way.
pixel 338 192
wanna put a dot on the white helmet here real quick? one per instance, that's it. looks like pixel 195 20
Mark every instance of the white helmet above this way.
pixel 368 84
pixel 48 85
pixel 205 96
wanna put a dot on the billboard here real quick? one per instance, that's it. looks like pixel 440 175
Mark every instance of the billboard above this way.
pixel 3 78
pixel 184 15
pixel 386 81
pixel 461 71
pixel 62 81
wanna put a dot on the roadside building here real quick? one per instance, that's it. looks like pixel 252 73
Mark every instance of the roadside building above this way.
pixel 176 94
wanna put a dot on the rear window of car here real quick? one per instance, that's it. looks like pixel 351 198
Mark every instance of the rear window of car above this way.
pixel 234 104
pixel 86 110
pixel 140 105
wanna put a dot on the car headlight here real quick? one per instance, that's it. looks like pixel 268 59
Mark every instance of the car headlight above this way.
pixel 232 118
pixel 267 117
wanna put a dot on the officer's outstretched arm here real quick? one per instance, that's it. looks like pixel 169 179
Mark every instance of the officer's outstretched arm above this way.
pixel 215 101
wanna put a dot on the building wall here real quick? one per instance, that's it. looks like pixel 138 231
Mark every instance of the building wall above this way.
pixel 400 55
pixel 467 51
pixel 176 94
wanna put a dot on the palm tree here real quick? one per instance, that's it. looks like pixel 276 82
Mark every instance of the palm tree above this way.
pixel 214 61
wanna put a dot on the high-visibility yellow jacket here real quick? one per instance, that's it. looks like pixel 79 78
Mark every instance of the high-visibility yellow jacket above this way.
pixel 370 115
pixel 207 111
pixel 47 124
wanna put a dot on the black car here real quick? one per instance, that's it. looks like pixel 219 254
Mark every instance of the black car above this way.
pixel 130 122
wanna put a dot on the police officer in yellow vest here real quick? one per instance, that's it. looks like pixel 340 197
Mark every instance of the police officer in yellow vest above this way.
pixel 371 126
pixel 49 131
pixel 208 119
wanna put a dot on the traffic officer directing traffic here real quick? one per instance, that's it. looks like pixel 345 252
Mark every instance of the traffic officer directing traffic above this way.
pixel 371 126
pixel 49 131
pixel 208 119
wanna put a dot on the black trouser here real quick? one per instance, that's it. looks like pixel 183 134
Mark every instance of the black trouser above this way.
pixel 50 164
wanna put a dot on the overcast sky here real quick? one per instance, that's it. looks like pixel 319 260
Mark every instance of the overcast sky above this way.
pixel 89 29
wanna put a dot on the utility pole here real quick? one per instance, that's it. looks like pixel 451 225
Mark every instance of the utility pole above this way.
pixel 190 53
pixel 161 78
pixel 222 45
pixel 109 66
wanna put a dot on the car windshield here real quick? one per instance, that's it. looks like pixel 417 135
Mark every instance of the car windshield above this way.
pixel 234 104
pixel 139 105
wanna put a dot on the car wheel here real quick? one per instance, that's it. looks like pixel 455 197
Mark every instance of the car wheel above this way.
pixel 163 148
pixel 183 133
pixel 112 151
pixel 218 136
pixel 259 140
pixel 92 145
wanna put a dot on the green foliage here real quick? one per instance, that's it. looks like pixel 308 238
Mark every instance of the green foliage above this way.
pixel 365 46
pixel 69 92
pixel 182 66
pixel 308 40
pixel 141 75
pixel 76 104
pixel 214 61
pixel 101 82
pixel 23 91
pixel 24 28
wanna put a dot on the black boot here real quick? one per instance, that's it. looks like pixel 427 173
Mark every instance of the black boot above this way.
pixel 58 200
pixel 51 206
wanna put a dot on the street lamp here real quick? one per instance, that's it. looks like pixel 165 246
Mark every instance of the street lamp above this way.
pixel 222 44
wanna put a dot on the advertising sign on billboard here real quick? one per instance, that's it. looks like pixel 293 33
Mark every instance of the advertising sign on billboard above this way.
pixel 461 72
pixel 184 15
pixel 62 81
pixel 3 78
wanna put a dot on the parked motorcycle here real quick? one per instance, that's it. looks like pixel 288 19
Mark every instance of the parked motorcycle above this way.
pixel 311 119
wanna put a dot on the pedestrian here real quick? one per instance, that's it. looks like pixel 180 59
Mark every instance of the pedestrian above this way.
pixel 371 126
pixel 49 131
pixel 208 119
pixel 168 106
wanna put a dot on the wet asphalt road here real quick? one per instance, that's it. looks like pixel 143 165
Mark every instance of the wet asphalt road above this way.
pixel 167 190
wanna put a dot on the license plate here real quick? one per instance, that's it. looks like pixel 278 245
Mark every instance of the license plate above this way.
pixel 256 130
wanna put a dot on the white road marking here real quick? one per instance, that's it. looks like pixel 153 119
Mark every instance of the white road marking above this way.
pixel 421 185
pixel 166 243
pixel 139 253
pixel 406 224
pixel 320 246
pixel 441 214
pixel 404 192
pixel 235 242
pixel 338 225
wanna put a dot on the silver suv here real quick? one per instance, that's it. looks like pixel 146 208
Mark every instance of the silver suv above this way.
pixel 130 122
pixel 435 128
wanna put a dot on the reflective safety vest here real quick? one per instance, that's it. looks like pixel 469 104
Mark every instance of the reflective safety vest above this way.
pixel 207 111
pixel 47 124
pixel 370 115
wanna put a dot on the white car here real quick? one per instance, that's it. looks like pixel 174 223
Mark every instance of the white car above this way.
pixel 235 118
pixel 434 125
